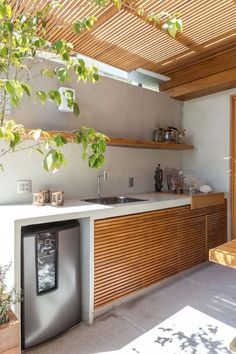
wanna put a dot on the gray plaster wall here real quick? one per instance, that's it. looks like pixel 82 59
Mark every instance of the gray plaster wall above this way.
pixel 112 107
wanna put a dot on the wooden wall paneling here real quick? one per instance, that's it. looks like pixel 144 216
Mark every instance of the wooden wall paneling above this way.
pixel 233 165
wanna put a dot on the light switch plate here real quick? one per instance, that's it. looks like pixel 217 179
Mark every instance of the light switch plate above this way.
pixel 24 186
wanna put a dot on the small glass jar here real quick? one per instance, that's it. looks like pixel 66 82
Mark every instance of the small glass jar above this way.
pixel 57 198
pixel 158 135
pixel 192 190
pixel 46 195
pixel 38 199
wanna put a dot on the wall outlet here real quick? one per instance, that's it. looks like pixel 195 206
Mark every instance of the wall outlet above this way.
pixel 131 182
pixel 23 186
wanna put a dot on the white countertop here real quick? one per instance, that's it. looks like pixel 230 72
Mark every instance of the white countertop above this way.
pixel 28 213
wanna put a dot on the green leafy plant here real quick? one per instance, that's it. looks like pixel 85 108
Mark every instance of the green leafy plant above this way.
pixel 7 297
pixel 24 47
pixel 170 23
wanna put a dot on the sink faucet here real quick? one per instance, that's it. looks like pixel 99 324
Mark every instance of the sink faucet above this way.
pixel 104 176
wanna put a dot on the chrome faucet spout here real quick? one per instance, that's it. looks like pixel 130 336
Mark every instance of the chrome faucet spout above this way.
pixel 104 176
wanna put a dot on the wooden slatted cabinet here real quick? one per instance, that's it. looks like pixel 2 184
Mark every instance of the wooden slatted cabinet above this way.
pixel 135 251
pixel 131 253
pixel 192 242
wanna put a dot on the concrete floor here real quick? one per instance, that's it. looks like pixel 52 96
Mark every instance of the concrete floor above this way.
pixel 210 289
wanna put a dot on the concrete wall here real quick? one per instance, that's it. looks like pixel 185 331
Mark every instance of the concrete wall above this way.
pixel 207 119
pixel 113 107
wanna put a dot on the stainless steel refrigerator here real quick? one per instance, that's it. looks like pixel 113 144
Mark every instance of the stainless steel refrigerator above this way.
pixel 50 279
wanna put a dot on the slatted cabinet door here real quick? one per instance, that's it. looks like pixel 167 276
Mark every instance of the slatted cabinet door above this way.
pixel 135 251
pixel 192 242
pixel 132 252
pixel 216 228
pixel 160 247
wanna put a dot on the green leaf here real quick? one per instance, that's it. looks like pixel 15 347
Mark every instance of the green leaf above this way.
pixel 26 88
pixel 55 96
pixel 58 45
pixel 49 160
pixel 62 74
pixel 53 160
pixel 14 88
pixel 47 72
pixel 85 24
pixel 118 4
pixel 2 131
pixel 172 30
pixel 8 10
pixel 76 110
pixel 10 87
pixel 59 140
pixel 42 96
pixel 14 101
pixel 9 26
pixel 4 52
pixel 102 145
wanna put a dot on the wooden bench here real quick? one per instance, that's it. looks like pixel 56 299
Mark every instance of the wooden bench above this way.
pixel 224 254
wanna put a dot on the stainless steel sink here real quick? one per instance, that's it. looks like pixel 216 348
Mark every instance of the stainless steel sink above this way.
pixel 114 200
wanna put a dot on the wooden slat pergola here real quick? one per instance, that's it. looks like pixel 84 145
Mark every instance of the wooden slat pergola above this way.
pixel 122 39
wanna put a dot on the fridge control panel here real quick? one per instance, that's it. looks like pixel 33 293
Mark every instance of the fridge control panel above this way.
pixel 46 261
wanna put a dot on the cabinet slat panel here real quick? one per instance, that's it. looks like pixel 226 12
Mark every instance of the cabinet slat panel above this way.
pixel 216 229
pixel 192 242
pixel 146 215
pixel 136 251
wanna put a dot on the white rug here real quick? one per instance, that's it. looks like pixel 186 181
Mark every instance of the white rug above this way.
pixel 187 332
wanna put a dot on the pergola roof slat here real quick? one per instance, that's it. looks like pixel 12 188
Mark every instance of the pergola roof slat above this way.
pixel 125 40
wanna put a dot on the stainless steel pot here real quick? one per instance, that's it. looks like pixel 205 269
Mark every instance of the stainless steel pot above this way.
pixel 169 135
pixel 158 135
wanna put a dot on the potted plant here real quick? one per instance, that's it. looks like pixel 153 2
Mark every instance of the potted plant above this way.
pixel 9 324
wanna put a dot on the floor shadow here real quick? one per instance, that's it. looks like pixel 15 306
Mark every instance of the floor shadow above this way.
pixel 194 342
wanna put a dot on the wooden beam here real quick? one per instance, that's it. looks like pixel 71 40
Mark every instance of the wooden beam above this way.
pixel 210 49
pixel 206 68
pixel 201 87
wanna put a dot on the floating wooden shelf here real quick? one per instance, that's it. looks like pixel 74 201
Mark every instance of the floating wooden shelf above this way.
pixel 131 143
pixel 146 144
